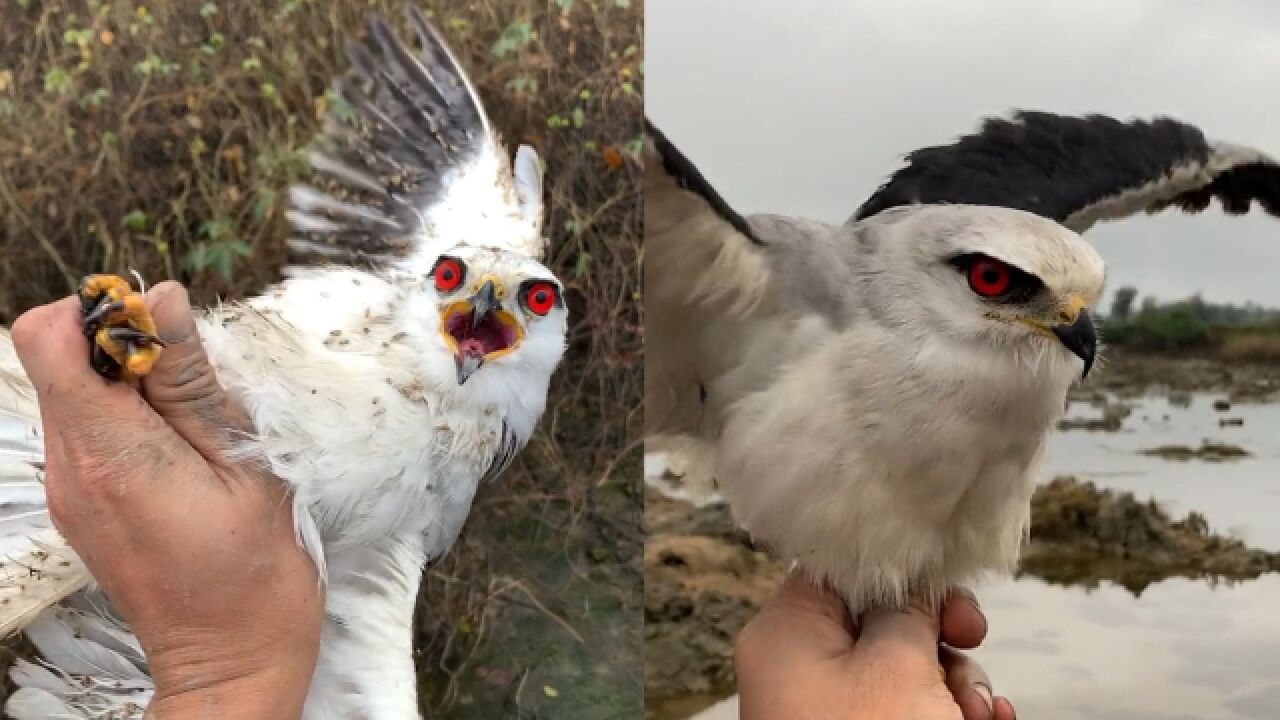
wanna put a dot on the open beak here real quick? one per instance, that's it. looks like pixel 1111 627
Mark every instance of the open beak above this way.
pixel 1080 337
pixel 478 329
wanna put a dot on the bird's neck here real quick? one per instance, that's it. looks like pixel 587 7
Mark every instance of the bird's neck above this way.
pixel 365 668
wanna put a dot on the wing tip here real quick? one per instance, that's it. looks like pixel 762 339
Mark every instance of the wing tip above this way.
pixel 679 168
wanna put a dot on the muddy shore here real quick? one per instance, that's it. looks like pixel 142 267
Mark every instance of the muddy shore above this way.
pixel 1129 374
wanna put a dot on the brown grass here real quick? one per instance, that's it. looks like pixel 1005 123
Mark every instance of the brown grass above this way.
pixel 1247 348
pixel 160 137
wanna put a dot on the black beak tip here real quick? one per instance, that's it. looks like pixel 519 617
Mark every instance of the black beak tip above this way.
pixel 1081 338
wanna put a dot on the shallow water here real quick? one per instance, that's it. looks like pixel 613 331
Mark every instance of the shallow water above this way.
pixel 1240 496
pixel 1184 649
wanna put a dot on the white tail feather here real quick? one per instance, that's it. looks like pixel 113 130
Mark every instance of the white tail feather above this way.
pixel 32 581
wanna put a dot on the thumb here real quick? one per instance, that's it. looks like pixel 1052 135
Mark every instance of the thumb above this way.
pixel 182 387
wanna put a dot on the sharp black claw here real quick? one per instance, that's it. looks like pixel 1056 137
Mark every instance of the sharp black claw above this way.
pixel 101 311
pixel 137 337
pixel 104 364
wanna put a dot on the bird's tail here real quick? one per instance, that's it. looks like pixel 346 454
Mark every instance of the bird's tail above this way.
pixel 90 665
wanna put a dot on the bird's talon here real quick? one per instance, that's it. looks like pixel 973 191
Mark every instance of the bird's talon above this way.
pixel 117 322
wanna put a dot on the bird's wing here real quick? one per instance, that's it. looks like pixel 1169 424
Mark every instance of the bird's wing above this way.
pixel 409 163
pixel 37 567
pixel 1079 170
pixel 724 296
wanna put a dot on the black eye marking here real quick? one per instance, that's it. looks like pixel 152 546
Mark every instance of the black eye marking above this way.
pixel 997 281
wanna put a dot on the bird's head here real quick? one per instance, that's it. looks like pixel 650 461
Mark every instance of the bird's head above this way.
pixel 496 308
pixel 1005 276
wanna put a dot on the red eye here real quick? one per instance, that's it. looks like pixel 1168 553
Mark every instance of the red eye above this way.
pixel 989 278
pixel 540 298
pixel 448 274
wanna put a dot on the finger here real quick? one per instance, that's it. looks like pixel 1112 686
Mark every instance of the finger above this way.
pixel 968 683
pixel 1004 710
pixel 962 623
pixel 50 343
pixel 183 387
pixel 914 628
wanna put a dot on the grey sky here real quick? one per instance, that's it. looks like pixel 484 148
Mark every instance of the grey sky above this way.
pixel 804 106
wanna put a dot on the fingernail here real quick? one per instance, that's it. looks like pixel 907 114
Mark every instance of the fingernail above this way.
pixel 984 692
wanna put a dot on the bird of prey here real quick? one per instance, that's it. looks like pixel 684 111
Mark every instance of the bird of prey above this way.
pixel 873 399
pixel 384 383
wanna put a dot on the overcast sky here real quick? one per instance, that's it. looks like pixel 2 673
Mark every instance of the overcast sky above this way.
pixel 803 107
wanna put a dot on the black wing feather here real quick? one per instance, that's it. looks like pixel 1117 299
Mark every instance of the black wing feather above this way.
pixel 687 176
pixel 400 124
pixel 1061 167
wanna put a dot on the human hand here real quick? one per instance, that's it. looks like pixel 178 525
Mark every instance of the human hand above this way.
pixel 197 551
pixel 802 657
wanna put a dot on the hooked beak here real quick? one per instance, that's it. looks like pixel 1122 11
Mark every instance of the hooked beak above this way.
pixel 1080 337
pixel 482 302
pixel 478 329
pixel 467 364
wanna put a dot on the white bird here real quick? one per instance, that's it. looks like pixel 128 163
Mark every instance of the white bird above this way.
pixel 382 389
pixel 873 399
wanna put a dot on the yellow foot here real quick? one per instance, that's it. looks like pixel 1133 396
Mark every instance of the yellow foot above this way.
pixel 116 321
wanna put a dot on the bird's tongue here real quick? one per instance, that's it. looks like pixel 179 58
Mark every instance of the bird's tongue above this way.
pixel 472 346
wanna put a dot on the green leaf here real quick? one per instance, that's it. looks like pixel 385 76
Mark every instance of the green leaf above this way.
pixel 584 262
pixel 634 146
pixel 208 10
pixel 136 220
pixel 57 80
pixel 579 117
pixel 222 263
pixel 197 257
pixel 622 3
pixel 266 200
pixel 565 4
pixel 217 229
pixel 514 37
pixel 95 98
pixel 77 37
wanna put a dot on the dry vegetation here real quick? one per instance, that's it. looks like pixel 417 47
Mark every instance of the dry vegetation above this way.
pixel 160 136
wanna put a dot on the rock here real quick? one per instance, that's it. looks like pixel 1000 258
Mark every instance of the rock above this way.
pixel 1231 422
pixel 1209 451
pixel 1180 399
pixel 1083 535
pixel 1222 405
pixel 1112 420
pixel 703 581
pixel 1103 424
